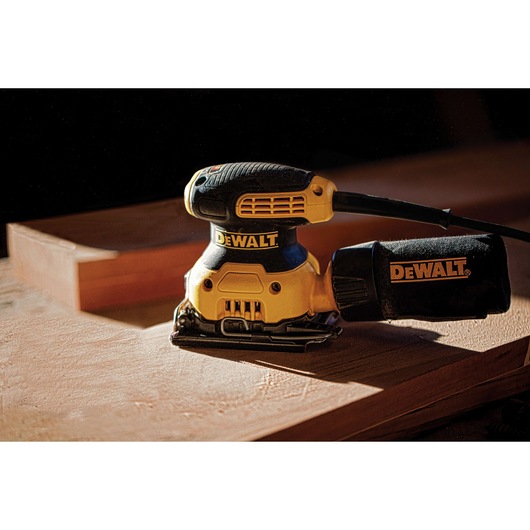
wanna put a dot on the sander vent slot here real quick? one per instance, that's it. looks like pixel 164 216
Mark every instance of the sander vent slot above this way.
pixel 251 205
pixel 248 309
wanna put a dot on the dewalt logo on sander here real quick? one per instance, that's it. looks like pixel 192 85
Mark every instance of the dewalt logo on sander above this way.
pixel 254 241
pixel 429 270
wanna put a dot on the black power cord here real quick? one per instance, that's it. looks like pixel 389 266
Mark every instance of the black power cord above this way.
pixel 370 205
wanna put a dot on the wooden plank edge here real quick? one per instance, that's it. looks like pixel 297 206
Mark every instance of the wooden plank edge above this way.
pixel 350 419
pixel 33 263
pixel 135 277
pixel 439 413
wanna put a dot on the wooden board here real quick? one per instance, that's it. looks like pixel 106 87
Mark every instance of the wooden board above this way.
pixel 72 375
pixel 108 258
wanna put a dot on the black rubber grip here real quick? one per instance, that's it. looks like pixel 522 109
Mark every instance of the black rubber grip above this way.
pixel 444 278
pixel 214 192
pixel 256 176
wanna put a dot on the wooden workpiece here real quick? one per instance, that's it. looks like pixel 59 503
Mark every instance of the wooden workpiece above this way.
pixel 67 374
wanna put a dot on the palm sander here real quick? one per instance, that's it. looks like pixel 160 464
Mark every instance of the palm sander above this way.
pixel 257 287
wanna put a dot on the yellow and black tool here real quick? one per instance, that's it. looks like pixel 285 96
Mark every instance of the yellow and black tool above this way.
pixel 256 287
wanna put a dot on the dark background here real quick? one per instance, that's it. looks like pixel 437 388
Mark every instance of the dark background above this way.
pixel 66 151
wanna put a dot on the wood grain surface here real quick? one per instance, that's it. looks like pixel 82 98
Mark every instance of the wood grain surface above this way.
pixel 74 375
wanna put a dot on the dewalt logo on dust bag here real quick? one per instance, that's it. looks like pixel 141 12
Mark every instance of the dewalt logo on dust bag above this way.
pixel 429 270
